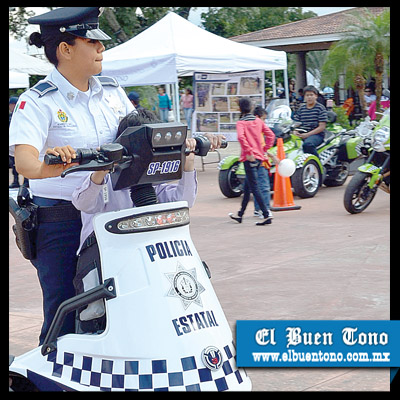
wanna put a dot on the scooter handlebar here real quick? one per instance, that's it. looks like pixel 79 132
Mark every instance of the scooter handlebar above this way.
pixel 113 152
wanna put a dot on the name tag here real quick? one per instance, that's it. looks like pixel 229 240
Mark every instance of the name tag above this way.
pixel 105 194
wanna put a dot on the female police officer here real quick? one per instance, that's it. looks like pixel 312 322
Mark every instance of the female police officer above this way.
pixel 70 108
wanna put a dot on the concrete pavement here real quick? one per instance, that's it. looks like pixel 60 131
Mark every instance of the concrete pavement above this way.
pixel 315 263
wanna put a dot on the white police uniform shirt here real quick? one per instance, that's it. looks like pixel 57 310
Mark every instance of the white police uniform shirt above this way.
pixel 55 113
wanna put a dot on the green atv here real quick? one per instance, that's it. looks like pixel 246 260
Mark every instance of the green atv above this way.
pixel 337 151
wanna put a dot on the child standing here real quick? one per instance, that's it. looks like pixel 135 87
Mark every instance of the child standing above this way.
pixel 263 171
pixel 249 130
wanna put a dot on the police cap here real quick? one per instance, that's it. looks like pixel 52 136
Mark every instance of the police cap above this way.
pixel 79 21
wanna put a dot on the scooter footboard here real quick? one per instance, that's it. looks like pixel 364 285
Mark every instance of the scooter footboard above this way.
pixel 165 328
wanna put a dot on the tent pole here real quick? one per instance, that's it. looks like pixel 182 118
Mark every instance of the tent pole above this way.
pixel 177 107
pixel 286 83
pixel 273 84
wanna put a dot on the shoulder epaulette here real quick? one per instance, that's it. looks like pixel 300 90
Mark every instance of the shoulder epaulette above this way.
pixel 107 81
pixel 43 88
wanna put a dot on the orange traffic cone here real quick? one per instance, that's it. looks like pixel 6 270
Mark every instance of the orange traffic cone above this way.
pixel 283 196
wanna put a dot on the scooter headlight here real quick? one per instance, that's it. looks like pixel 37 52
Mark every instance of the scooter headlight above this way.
pixel 381 136
pixel 149 221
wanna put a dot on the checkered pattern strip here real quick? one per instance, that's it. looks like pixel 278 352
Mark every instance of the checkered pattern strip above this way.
pixel 151 375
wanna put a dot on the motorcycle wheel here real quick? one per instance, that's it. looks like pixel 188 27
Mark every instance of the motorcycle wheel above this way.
pixel 340 178
pixel 307 180
pixel 229 183
pixel 358 195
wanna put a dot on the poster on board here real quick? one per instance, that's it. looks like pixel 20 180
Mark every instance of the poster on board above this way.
pixel 216 100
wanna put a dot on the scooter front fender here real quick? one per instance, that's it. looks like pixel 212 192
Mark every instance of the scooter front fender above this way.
pixel 227 162
pixel 373 170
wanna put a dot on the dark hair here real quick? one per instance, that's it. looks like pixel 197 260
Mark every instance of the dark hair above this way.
pixel 259 111
pixel 311 88
pixel 245 105
pixel 189 90
pixel 137 118
pixel 50 42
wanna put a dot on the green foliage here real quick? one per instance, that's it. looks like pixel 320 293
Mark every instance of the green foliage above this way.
pixel 148 95
pixel 17 21
pixel 356 53
pixel 341 117
pixel 233 21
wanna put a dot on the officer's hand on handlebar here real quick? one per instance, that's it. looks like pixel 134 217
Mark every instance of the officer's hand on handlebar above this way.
pixel 67 154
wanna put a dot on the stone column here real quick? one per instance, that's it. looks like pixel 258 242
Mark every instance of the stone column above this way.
pixel 301 78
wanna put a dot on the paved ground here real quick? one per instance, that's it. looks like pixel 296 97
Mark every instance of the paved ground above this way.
pixel 315 263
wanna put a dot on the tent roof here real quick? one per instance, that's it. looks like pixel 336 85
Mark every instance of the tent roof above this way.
pixel 27 64
pixel 175 47
pixel 18 80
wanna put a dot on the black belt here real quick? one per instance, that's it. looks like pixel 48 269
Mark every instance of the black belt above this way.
pixel 58 213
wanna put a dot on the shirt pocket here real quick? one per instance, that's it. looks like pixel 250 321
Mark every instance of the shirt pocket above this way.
pixel 63 131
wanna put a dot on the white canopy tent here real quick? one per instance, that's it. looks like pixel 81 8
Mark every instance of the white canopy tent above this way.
pixel 175 47
pixel 21 66
pixel 18 80
pixel 19 62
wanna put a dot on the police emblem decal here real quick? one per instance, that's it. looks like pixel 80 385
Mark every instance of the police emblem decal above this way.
pixel 62 116
pixel 212 358
pixel 185 286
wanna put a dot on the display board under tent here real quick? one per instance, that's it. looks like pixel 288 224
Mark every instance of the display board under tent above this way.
pixel 216 100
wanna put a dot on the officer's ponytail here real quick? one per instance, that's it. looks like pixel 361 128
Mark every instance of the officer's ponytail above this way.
pixel 36 40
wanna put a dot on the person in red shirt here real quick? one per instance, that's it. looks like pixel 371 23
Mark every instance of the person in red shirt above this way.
pixel 252 155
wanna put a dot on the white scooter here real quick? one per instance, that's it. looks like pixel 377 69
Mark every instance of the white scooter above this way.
pixel 165 328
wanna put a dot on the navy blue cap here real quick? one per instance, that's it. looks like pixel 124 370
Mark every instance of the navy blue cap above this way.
pixel 134 96
pixel 79 21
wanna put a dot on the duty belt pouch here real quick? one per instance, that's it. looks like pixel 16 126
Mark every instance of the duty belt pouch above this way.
pixel 25 228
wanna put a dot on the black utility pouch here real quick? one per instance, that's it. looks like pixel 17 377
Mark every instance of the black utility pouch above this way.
pixel 25 228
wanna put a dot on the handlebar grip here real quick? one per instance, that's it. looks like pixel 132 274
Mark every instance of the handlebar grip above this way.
pixel 51 159
pixel 224 144
pixel 82 155
pixel 202 147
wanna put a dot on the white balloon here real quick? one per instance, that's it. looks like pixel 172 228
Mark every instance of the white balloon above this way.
pixel 286 167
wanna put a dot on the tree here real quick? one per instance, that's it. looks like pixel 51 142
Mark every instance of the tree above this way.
pixel 371 34
pixel 315 61
pixel 123 23
pixel 361 53
pixel 353 63
pixel 17 21
pixel 233 21
pixel 120 23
